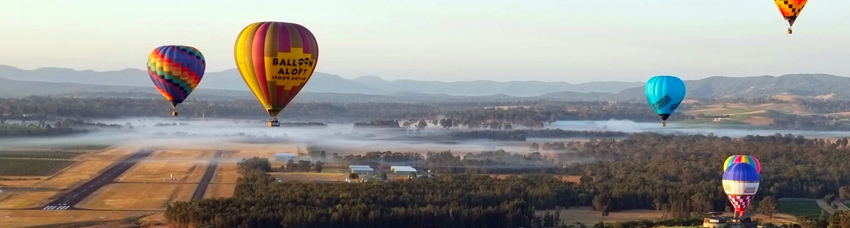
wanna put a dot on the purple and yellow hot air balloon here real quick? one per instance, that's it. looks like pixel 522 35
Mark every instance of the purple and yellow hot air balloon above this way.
pixel 734 159
pixel 176 71
pixel 276 59
pixel 741 182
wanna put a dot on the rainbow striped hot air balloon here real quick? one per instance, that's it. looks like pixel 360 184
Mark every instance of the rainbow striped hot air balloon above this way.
pixel 734 159
pixel 276 59
pixel 740 182
pixel 175 71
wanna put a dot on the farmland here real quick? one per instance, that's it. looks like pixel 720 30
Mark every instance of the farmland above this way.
pixel 38 154
pixel 799 207
pixel 31 167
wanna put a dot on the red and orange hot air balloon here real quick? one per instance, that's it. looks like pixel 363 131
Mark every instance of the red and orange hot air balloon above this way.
pixel 790 9
pixel 276 59
pixel 175 71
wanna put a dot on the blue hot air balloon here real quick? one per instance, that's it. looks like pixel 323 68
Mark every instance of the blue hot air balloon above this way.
pixel 664 94
pixel 741 182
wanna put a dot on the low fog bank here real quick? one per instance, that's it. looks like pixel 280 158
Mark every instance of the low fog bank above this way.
pixel 681 128
pixel 345 139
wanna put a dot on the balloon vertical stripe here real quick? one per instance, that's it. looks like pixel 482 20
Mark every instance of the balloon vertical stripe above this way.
pixel 276 59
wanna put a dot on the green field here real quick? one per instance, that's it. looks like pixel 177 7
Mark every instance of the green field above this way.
pixel 38 154
pixel 802 207
pixel 21 167
pixel 84 147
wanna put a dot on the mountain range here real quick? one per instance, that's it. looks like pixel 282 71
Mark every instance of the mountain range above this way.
pixel 324 87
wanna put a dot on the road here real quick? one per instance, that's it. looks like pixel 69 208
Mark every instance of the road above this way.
pixel 208 175
pixel 68 200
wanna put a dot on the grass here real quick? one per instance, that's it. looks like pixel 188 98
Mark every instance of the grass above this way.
pixel 799 207
pixel 17 167
pixel 311 177
pixel 150 196
pixel 39 154
pixel 86 147
pixel 586 215
pixel 67 218
pixel 219 190
pixel 27 199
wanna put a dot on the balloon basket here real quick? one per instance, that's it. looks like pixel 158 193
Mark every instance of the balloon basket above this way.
pixel 174 113
pixel 789 31
pixel 274 123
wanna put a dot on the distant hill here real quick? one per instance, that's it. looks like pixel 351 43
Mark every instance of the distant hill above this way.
pixel 327 87
pixel 481 87
pixel 802 85
pixel 321 82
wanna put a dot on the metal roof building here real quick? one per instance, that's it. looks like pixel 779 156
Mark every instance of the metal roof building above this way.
pixel 403 170
pixel 361 169
pixel 283 156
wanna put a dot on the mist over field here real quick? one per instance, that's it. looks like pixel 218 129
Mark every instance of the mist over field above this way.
pixel 163 132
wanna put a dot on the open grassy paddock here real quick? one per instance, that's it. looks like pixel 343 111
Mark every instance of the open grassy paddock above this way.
pixel 39 154
pixel 311 177
pixel 586 215
pixel 136 196
pixel 185 166
pixel 219 190
pixel 28 218
pixel 800 207
pixel 28 167
pixel 23 200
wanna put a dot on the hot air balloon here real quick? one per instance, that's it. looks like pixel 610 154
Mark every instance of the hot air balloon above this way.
pixel 276 59
pixel 740 182
pixel 175 71
pixel 790 9
pixel 664 94
pixel 734 159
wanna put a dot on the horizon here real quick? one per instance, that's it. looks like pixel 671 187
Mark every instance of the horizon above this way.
pixel 405 79
pixel 548 41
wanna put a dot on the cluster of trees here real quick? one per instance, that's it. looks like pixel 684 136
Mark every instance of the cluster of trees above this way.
pixel 518 135
pixel 683 173
pixel 447 201
pixel 32 130
pixel 301 166
pixel 378 123
pixel 676 174
pixel 442 114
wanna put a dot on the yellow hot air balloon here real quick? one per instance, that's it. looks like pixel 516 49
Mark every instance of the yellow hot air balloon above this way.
pixel 790 9
pixel 276 59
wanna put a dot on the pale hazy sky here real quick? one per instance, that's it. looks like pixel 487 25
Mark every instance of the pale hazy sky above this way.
pixel 547 40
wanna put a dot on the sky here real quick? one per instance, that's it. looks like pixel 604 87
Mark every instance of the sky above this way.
pixel 500 40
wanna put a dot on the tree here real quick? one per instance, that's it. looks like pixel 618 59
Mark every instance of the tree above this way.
pixel 844 193
pixel 383 175
pixel 768 206
pixel 829 198
pixel 319 165
pixel 601 203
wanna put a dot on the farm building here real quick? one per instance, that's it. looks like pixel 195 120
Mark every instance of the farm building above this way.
pixel 402 170
pixel 283 156
pixel 361 169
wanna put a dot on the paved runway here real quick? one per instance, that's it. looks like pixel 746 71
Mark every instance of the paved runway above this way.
pixel 208 175
pixel 68 200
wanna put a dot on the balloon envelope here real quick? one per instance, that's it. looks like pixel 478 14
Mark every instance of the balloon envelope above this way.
pixel 790 9
pixel 276 59
pixel 175 71
pixel 740 182
pixel 734 159
pixel 664 94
